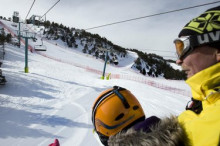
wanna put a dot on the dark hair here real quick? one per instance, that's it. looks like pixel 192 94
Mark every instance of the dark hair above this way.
pixel 215 45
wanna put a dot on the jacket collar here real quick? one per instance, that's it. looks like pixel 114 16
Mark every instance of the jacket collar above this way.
pixel 205 82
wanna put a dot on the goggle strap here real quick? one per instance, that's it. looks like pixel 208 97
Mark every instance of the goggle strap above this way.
pixel 124 101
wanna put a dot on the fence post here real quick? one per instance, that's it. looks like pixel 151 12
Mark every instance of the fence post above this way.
pixel 26 55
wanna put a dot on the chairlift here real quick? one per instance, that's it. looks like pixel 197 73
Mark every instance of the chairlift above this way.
pixel 101 53
pixel 115 61
pixel 41 47
pixel 14 24
pixel 25 28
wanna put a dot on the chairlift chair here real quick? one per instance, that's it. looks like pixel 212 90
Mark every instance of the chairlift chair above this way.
pixel 25 28
pixel 14 24
pixel 101 53
pixel 115 61
pixel 41 47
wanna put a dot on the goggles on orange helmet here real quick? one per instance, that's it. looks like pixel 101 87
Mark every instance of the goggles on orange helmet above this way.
pixel 185 45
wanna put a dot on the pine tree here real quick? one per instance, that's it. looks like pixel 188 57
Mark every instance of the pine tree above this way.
pixel 8 38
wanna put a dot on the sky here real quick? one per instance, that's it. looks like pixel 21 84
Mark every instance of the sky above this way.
pixel 147 35
pixel 55 99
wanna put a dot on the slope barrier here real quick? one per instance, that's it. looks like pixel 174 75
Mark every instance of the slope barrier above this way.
pixel 144 81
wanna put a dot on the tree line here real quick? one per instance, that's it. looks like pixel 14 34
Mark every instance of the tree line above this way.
pixel 155 65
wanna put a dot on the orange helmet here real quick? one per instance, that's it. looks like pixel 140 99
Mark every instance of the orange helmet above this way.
pixel 114 110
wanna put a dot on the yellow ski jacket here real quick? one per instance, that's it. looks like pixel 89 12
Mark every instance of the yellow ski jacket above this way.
pixel 204 129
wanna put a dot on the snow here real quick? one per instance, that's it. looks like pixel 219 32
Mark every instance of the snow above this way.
pixel 54 100
pixel 175 66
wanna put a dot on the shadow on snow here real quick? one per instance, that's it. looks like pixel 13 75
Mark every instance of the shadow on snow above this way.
pixel 16 123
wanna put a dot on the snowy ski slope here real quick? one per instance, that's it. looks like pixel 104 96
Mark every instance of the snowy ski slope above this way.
pixel 55 98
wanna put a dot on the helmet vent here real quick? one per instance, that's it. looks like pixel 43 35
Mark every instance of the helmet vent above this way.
pixel 119 117
pixel 135 107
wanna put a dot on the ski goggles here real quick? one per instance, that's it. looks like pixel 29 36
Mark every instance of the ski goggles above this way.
pixel 185 45
pixel 182 47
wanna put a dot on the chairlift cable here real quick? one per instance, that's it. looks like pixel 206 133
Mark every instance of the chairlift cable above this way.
pixel 50 9
pixel 151 15
pixel 30 9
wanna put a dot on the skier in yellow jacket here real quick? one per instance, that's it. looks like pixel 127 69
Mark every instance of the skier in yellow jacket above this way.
pixel 198 50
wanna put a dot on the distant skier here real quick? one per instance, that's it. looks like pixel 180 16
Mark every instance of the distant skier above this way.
pixel 198 48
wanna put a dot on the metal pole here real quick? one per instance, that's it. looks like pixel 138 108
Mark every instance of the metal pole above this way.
pixel 34 21
pixel 3 32
pixel 39 23
pixel 3 49
pixel 19 35
pixel 103 75
pixel 26 55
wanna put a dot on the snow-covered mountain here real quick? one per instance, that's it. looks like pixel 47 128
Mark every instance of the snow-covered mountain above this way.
pixel 55 98
pixel 147 64
pixel 94 45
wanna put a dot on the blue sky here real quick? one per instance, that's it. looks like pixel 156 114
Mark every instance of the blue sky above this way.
pixel 147 35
